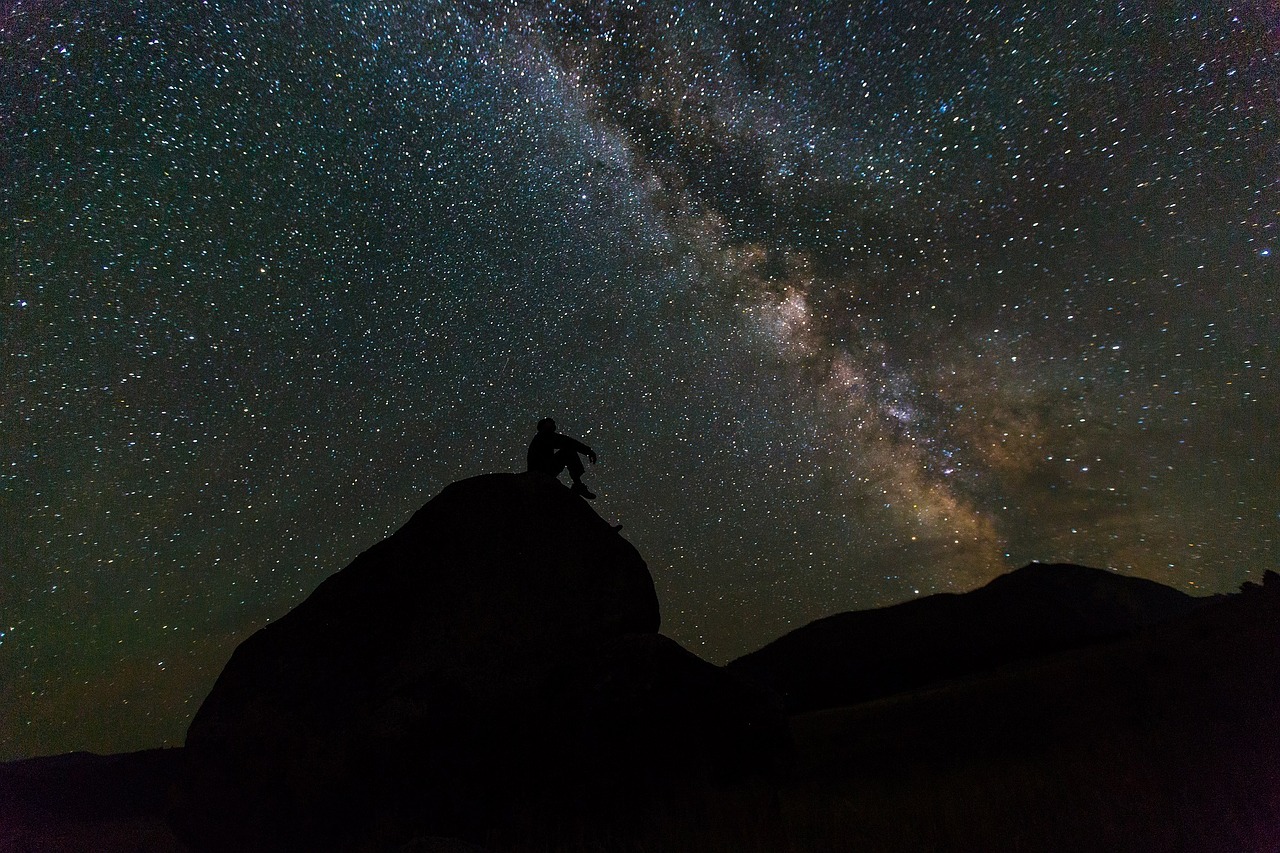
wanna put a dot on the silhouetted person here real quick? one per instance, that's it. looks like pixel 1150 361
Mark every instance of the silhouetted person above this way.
pixel 551 452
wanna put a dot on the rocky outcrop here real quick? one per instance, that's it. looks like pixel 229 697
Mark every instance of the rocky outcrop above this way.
pixel 1037 610
pixel 500 646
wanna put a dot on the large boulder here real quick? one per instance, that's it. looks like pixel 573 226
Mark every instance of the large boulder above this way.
pixel 496 647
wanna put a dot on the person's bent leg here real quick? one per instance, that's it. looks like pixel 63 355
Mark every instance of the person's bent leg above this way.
pixel 574 464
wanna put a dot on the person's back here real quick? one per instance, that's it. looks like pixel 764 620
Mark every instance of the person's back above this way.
pixel 542 453
pixel 551 452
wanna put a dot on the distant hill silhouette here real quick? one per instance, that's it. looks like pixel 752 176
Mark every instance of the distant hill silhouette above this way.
pixel 1166 739
pixel 1037 610
pixel 503 640
pixel 82 801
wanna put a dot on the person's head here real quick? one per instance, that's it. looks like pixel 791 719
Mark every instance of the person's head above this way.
pixel 546 425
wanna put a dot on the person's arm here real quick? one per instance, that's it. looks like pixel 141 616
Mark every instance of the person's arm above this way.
pixel 578 447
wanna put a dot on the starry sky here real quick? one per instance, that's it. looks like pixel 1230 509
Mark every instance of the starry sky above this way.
pixel 856 301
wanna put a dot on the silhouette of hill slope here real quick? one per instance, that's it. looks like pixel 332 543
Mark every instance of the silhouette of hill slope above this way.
pixel 82 801
pixel 1167 739
pixel 1036 610
pixel 504 640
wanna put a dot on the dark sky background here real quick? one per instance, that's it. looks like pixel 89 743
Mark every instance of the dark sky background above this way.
pixel 857 302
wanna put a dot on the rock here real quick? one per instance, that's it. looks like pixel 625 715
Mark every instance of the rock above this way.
pixel 500 645
pixel 644 695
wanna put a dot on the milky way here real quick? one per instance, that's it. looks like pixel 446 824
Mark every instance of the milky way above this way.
pixel 857 302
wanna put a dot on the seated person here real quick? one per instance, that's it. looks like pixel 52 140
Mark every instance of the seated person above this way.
pixel 551 452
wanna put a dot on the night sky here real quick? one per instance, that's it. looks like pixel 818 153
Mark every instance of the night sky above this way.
pixel 856 302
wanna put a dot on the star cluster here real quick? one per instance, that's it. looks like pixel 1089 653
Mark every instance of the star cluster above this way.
pixel 857 302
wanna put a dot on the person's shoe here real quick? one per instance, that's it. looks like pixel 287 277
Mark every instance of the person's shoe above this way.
pixel 579 489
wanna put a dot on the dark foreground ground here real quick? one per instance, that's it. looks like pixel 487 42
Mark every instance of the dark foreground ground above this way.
pixel 1168 740
pixel 84 802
